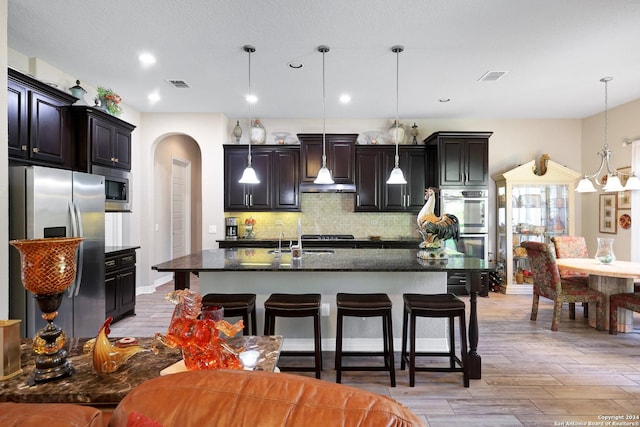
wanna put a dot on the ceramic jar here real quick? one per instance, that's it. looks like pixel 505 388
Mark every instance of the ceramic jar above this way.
pixel 258 133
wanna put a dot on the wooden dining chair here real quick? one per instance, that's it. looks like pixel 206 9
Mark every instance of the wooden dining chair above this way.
pixel 547 283
pixel 630 301
pixel 572 247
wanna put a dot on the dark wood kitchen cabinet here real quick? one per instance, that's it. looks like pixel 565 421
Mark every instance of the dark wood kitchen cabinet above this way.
pixel 101 139
pixel 277 169
pixel 373 166
pixel 458 159
pixel 340 152
pixel 120 284
pixel 38 122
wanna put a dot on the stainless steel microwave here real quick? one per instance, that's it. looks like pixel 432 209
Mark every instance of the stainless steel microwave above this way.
pixel 117 188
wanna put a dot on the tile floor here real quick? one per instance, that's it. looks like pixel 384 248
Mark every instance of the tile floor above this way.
pixel 531 376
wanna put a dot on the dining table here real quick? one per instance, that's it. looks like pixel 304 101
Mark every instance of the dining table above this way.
pixel 613 278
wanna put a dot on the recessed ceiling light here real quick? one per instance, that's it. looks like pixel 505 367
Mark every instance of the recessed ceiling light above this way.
pixel 251 98
pixel 153 97
pixel 345 98
pixel 443 100
pixel 296 65
pixel 147 58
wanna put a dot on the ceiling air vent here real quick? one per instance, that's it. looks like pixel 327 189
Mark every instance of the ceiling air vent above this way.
pixel 179 84
pixel 492 76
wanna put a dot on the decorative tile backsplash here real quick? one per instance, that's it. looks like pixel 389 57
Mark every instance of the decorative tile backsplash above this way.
pixel 329 213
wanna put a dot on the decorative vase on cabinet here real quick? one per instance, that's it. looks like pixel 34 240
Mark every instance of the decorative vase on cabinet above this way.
pixel 258 133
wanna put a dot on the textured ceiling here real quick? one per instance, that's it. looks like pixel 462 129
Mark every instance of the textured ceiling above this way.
pixel 555 52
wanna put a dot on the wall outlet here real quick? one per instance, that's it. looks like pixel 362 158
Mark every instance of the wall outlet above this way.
pixel 212 229
pixel 325 309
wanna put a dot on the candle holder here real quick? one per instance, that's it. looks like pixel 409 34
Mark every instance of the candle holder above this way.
pixel 48 268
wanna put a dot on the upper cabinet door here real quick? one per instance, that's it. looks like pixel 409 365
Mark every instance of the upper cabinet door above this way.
pixel 340 152
pixel 286 183
pixel 460 159
pixel 276 167
pixel 368 179
pixel 49 132
pixel 477 165
pixel 38 123
pixel 101 139
pixel 17 120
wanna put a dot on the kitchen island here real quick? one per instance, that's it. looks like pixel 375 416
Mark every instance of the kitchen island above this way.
pixel 328 271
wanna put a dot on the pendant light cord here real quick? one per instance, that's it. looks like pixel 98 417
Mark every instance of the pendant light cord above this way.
pixel 324 49
pixel 606 111
pixel 397 50
pixel 324 113
pixel 249 49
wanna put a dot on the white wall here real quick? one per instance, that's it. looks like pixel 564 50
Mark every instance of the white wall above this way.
pixel 623 122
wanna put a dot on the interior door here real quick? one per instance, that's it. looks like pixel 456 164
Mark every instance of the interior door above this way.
pixel 180 208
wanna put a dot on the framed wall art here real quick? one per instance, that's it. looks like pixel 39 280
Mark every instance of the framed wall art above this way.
pixel 608 217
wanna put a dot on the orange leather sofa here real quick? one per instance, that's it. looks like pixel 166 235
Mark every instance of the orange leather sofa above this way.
pixel 229 398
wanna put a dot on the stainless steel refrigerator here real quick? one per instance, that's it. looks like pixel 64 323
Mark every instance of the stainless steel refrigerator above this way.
pixel 47 202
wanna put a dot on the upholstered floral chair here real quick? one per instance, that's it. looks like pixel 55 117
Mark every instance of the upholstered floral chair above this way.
pixel 547 283
pixel 572 247
pixel 630 301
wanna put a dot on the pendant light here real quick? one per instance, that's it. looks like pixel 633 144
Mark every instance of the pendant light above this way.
pixel 612 182
pixel 324 176
pixel 397 177
pixel 249 174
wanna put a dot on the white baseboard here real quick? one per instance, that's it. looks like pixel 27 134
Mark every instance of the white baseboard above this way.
pixel 141 290
pixel 519 289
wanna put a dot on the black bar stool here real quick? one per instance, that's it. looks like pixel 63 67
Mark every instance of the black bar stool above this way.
pixel 296 305
pixel 437 305
pixel 365 305
pixel 235 305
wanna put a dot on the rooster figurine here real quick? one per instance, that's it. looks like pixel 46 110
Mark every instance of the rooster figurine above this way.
pixel 435 229
pixel 107 358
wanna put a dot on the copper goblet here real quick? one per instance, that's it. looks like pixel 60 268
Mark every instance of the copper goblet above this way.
pixel 48 268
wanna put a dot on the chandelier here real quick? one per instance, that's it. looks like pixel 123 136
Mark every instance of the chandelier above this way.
pixel 611 181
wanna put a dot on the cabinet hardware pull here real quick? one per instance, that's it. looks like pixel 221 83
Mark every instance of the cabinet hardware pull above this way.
pixel 110 263
pixel 127 258
pixel 357 200
pixel 116 160
pixel 36 150
pixel 23 147
pixel 250 199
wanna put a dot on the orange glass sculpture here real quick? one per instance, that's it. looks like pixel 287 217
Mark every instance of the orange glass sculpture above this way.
pixel 48 268
pixel 107 358
pixel 199 338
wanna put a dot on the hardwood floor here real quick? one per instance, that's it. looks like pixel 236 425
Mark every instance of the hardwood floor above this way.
pixel 531 376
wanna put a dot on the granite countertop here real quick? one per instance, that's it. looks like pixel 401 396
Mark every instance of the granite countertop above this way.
pixel 355 239
pixel 111 250
pixel 85 386
pixel 263 259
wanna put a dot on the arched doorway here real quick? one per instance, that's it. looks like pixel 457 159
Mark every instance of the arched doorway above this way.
pixel 177 209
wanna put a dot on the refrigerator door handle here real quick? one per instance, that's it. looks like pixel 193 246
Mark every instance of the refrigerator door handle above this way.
pixel 76 227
